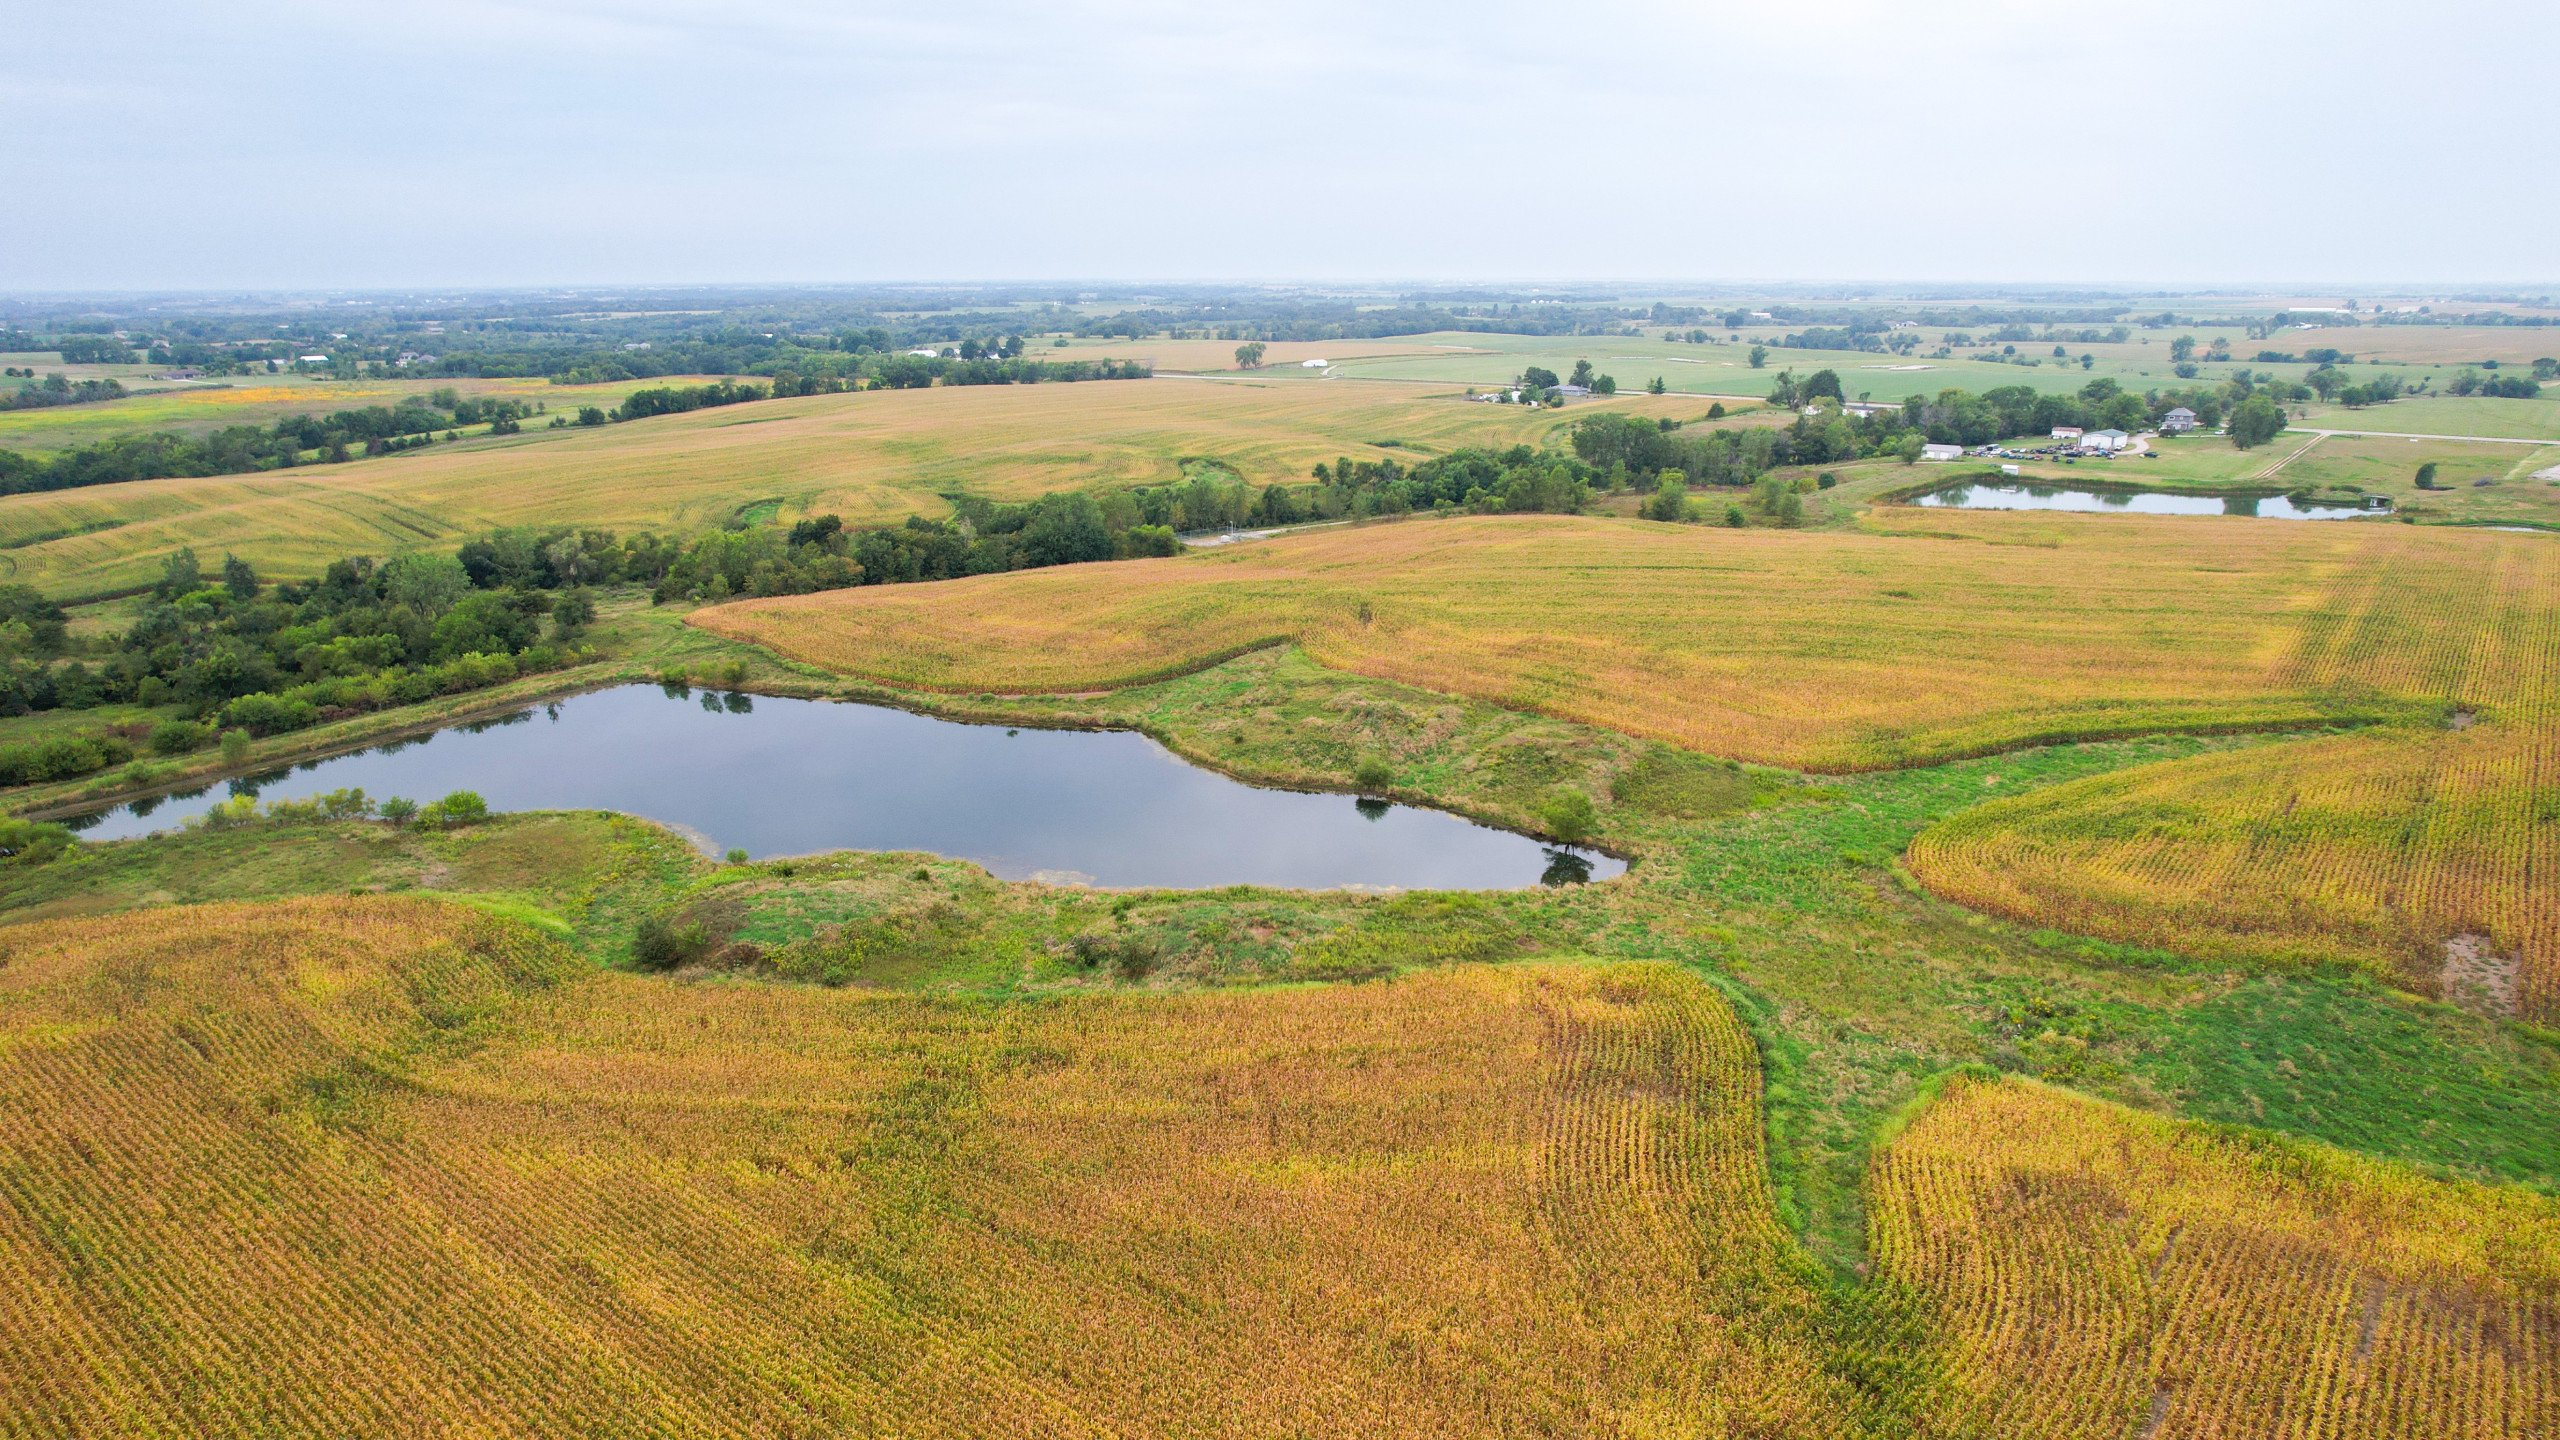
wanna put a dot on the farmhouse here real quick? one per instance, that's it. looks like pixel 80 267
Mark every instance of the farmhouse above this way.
pixel 2066 432
pixel 2178 421
pixel 2108 441
pixel 1941 452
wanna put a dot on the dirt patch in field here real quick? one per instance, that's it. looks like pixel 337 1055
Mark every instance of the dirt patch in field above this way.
pixel 2477 977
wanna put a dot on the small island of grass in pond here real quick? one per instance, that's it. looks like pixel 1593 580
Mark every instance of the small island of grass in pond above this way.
pixel 787 777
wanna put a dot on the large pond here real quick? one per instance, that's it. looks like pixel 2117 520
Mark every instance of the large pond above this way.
pixel 789 777
pixel 1975 495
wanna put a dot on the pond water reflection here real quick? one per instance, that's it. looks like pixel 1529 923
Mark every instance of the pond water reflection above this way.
pixel 787 777
pixel 1975 495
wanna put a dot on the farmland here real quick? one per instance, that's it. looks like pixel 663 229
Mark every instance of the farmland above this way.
pixel 870 457
pixel 2072 975
pixel 2419 852
pixel 601 1206
pixel 2097 1272
pixel 730 1205
pixel 1723 367
pixel 832 724
pixel 199 407
pixel 1895 648
pixel 1929 634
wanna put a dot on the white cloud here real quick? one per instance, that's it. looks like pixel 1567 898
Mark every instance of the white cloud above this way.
pixel 557 140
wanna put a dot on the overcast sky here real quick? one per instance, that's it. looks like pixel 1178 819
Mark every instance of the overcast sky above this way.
pixel 304 145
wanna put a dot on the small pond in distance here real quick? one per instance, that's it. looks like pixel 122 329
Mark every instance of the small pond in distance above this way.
pixel 1975 495
pixel 788 777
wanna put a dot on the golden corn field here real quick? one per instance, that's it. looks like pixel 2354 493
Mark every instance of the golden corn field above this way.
pixel 2095 1272
pixel 2429 853
pixel 376 1167
pixel 868 457
pixel 1831 650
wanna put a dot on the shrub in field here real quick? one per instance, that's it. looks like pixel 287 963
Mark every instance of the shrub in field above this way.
pixel 1569 816
pixel 462 807
pixel 177 737
pixel 31 842
pixel 269 714
pixel 661 942
pixel 60 757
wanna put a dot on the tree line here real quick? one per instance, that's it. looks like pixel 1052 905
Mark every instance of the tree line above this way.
pixel 415 422
pixel 56 390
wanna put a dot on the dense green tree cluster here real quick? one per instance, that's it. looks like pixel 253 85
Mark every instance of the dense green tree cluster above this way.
pixel 1642 450
pixel 55 390
pixel 676 400
pixel 2495 387
pixel 1487 482
pixel 914 372
pixel 231 652
pixel 93 350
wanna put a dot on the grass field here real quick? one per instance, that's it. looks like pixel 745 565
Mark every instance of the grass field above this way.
pixel 2094 1272
pixel 2535 419
pixel 867 457
pixel 1485 1201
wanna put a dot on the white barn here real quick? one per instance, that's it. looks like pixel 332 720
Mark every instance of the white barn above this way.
pixel 2107 440
pixel 1941 452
